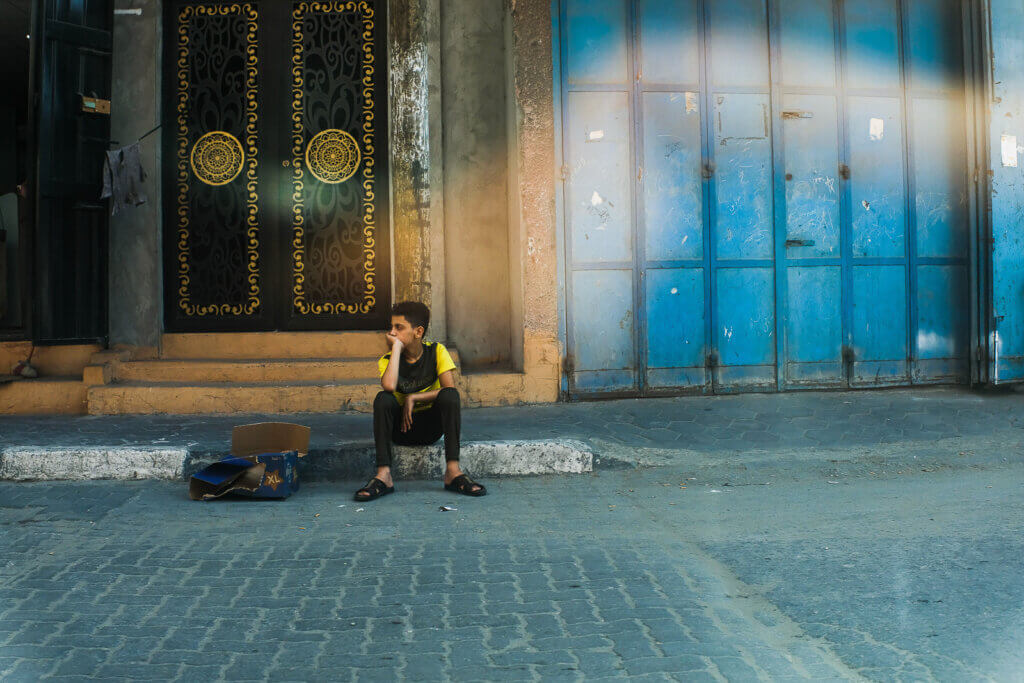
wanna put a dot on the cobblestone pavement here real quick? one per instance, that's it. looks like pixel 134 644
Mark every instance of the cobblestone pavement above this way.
pixel 670 573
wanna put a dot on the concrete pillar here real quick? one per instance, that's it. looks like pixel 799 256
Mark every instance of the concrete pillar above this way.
pixel 135 271
pixel 533 247
pixel 414 33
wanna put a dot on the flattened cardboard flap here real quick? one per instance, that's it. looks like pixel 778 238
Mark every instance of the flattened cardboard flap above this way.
pixel 269 437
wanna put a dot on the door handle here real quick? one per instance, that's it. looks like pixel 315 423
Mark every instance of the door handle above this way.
pixel 799 243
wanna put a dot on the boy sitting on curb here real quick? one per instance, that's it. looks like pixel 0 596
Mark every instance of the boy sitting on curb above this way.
pixel 418 404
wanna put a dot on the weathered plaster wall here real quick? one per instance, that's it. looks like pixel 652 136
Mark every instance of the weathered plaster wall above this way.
pixel 533 88
pixel 476 151
pixel 136 313
pixel 414 35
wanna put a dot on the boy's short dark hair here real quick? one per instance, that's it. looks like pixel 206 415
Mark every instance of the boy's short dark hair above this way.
pixel 416 313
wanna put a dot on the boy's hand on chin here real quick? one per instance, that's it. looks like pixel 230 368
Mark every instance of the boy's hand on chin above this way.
pixel 394 342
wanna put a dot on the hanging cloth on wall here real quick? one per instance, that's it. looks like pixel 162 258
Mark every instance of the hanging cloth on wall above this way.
pixel 123 176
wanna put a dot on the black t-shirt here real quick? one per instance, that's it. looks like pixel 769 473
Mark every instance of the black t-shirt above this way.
pixel 416 377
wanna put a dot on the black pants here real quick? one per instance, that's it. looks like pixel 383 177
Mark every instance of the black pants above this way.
pixel 443 417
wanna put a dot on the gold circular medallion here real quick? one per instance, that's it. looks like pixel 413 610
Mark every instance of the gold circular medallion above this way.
pixel 332 156
pixel 217 158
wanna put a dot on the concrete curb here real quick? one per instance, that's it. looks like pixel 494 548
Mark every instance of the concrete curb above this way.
pixel 117 462
pixel 347 461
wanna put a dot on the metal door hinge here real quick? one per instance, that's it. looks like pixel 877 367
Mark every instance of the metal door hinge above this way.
pixel 844 171
pixel 708 170
pixel 564 172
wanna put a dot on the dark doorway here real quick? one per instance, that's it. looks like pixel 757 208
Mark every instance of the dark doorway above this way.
pixel 15 42
pixel 72 84
pixel 275 166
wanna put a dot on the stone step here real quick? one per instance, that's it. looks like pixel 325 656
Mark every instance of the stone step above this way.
pixel 43 396
pixel 260 345
pixel 185 398
pixel 280 370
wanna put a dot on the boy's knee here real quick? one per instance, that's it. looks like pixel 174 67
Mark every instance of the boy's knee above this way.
pixel 384 400
pixel 449 396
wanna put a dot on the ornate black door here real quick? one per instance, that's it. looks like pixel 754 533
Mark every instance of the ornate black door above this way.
pixel 275 166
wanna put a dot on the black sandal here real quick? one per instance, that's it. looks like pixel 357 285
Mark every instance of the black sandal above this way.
pixel 376 488
pixel 464 485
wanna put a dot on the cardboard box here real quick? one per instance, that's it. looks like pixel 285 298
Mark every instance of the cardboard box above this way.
pixel 263 463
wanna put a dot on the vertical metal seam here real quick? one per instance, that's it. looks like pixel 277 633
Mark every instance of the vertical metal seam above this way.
pixel 639 225
pixel 846 187
pixel 570 338
pixel 777 154
pixel 910 224
pixel 708 188
pixel 559 134
pixel 970 90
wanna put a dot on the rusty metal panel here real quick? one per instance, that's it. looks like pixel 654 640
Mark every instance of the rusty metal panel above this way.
pixel 595 36
pixel 669 41
pixel 738 42
pixel 745 333
pixel 812 177
pixel 807 43
pixel 879 325
pixel 942 323
pixel 779 185
pixel 743 162
pixel 673 207
pixel 878 181
pixel 675 331
pixel 814 326
pixel 1006 154
pixel 604 357
pixel 600 191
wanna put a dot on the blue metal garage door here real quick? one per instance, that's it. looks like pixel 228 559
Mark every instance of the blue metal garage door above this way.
pixel 764 195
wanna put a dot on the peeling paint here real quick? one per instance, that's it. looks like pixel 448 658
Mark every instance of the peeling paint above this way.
pixel 876 129
pixel 1009 150
pixel 691 102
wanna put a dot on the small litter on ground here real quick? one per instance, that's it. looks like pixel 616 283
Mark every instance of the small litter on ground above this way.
pixel 448 508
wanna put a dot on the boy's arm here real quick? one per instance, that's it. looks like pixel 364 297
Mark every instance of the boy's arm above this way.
pixel 447 380
pixel 389 380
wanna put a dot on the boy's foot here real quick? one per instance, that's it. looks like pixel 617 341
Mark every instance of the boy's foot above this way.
pixel 375 488
pixel 464 485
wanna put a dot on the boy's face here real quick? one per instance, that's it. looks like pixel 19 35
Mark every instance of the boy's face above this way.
pixel 404 331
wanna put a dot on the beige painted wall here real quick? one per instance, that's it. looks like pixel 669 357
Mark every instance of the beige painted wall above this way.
pixel 475 180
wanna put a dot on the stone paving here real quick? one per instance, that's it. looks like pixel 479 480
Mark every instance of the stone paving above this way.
pixel 116 580
pixel 854 559
pixel 641 574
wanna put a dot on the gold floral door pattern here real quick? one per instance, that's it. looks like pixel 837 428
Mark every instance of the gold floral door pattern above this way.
pixel 217 221
pixel 217 158
pixel 332 39
pixel 275 180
